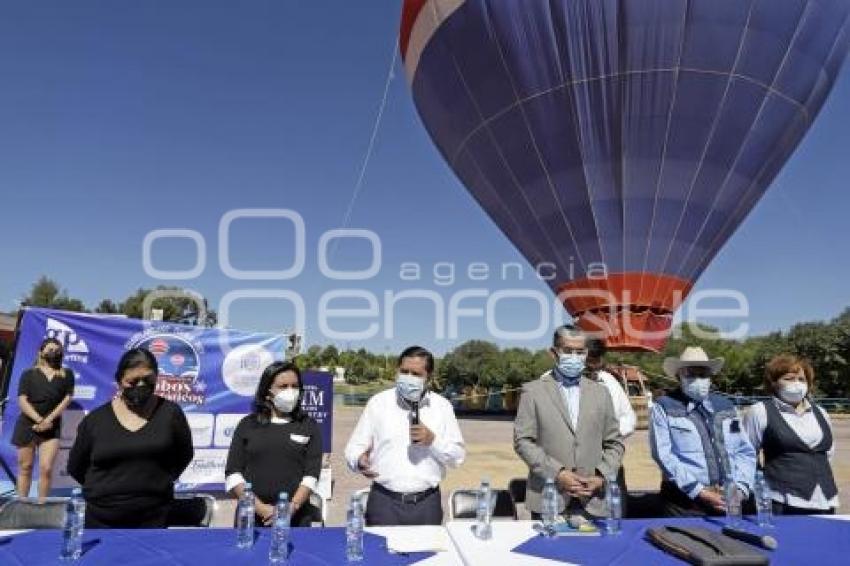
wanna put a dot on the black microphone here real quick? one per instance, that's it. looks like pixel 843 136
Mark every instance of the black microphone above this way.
pixel 763 541
pixel 414 413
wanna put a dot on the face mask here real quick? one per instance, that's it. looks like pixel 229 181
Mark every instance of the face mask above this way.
pixel 696 387
pixel 138 396
pixel 410 387
pixel 286 400
pixel 53 359
pixel 571 365
pixel 793 393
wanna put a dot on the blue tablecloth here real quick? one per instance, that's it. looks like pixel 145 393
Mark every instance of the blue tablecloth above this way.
pixel 310 547
pixel 802 540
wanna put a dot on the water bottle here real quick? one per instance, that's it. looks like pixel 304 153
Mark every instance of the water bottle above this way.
pixel 733 503
pixel 279 547
pixel 354 531
pixel 764 504
pixel 72 530
pixel 613 498
pixel 245 518
pixel 550 507
pixel 483 528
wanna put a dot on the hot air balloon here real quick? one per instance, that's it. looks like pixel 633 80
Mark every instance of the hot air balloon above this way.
pixel 625 138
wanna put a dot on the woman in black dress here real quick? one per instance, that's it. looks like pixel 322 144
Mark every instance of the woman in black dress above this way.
pixel 277 448
pixel 44 391
pixel 130 451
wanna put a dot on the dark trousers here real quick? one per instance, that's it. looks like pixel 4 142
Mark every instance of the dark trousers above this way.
pixel 784 509
pixel 675 503
pixel 98 517
pixel 387 508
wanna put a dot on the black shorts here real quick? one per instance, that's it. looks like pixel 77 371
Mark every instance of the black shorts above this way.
pixel 24 435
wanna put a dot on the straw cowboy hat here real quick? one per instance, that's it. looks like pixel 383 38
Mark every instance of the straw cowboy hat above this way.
pixel 693 356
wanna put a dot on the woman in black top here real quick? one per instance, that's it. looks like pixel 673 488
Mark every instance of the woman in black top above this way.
pixel 44 391
pixel 129 452
pixel 277 448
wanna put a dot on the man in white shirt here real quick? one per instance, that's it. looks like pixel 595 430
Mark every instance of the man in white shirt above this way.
pixel 405 439
pixel 623 410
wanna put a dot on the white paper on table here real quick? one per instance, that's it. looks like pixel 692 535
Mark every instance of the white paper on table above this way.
pixel 430 538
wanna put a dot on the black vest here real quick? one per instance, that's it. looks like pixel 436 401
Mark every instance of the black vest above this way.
pixel 790 466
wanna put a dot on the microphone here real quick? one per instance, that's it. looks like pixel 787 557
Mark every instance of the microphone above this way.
pixel 414 418
pixel 763 541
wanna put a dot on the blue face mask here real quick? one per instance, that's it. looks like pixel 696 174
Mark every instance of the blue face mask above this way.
pixel 570 366
pixel 410 387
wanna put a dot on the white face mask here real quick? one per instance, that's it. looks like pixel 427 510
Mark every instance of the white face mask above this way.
pixel 410 387
pixel 286 400
pixel 793 393
pixel 696 388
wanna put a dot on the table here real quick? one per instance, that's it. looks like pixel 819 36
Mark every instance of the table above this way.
pixel 189 547
pixel 818 541
pixel 802 540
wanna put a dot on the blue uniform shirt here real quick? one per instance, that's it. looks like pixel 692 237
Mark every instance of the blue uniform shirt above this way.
pixel 682 438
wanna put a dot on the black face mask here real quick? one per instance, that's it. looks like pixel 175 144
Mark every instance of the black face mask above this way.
pixel 138 396
pixel 53 359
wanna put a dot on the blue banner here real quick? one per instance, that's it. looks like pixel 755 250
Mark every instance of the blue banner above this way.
pixel 212 373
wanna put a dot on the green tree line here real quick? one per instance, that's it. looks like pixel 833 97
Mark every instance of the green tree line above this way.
pixel 483 364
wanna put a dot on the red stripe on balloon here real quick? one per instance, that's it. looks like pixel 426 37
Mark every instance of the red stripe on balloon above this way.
pixel 408 18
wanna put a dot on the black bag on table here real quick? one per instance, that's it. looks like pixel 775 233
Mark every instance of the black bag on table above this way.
pixel 698 545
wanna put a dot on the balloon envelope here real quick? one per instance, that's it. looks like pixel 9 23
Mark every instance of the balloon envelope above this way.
pixel 619 143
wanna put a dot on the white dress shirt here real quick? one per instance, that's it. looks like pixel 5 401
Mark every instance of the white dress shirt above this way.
pixel 805 425
pixel 401 466
pixel 571 393
pixel 622 407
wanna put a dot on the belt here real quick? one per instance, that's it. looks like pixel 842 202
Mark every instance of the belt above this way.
pixel 412 498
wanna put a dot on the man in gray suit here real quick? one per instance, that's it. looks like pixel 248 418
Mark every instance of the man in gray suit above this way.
pixel 566 429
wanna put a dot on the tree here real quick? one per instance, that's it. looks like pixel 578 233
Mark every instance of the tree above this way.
pixel 175 308
pixel 46 293
pixel 106 306
pixel 329 356
pixel 472 363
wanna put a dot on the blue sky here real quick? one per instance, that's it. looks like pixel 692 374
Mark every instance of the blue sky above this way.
pixel 121 118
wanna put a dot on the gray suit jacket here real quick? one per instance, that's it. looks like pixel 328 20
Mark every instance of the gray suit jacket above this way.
pixel 547 442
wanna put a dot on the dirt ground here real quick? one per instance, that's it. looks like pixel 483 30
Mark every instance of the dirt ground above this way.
pixel 490 453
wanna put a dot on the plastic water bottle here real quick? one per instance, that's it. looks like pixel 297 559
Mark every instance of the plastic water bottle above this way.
pixel 550 507
pixel 354 531
pixel 245 518
pixel 613 498
pixel 72 530
pixel 732 495
pixel 483 528
pixel 764 504
pixel 279 547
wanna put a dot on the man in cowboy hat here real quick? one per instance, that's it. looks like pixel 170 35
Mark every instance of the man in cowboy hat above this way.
pixel 697 440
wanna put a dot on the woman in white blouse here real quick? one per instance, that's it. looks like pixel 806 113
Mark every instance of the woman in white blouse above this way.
pixel 795 438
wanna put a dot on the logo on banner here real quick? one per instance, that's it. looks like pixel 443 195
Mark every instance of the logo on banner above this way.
pixel 243 367
pixel 179 366
pixel 76 349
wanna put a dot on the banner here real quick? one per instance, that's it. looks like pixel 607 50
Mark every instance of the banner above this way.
pixel 211 373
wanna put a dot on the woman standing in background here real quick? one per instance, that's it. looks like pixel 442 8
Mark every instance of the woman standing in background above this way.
pixel 44 392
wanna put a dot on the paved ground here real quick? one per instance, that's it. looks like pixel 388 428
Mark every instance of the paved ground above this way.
pixel 490 453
